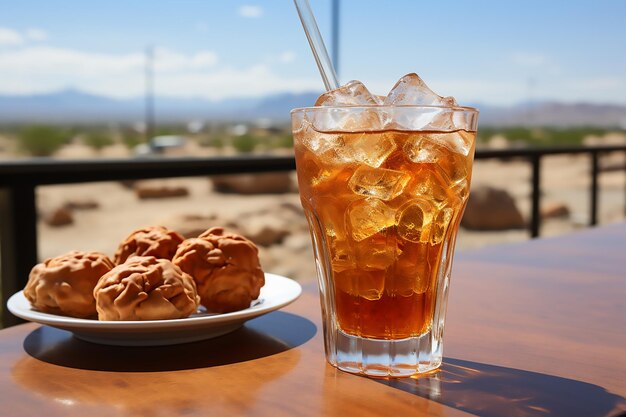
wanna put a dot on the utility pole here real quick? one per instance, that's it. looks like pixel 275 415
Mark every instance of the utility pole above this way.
pixel 149 78
pixel 532 82
pixel 335 34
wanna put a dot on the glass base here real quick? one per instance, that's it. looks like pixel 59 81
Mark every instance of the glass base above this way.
pixel 384 358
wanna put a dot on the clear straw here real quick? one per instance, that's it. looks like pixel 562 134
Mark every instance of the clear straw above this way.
pixel 316 42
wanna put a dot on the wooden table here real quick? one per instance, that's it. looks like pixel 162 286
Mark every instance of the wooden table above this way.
pixel 534 329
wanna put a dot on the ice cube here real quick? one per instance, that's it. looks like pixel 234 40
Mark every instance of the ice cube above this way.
pixel 329 211
pixel 342 257
pixel 461 189
pixel 422 151
pixel 411 90
pixel 299 123
pixel 440 225
pixel 316 141
pixel 365 284
pixel 345 114
pixel 354 93
pixel 380 99
pixel 369 216
pixel 331 219
pixel 414 220
pixel 458 142
pixel 440 150
pixel 367 148
pixel 429 183
pixel 313 175
pixel 381 183
pixel 377 252
pixel 412 272
pixel 348 119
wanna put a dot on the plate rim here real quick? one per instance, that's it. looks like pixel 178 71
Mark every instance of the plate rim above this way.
pixel 288 289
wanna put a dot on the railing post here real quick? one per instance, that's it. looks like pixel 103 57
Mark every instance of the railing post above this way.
pixel 18 241
pixel 593 216
pixel 535 216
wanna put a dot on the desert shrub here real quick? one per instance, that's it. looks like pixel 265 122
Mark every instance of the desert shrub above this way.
pixel 169 130
pixel 217 142
pixel 541 136
pixel 485 134
pixel 283 141
pixel 244 143
pixel 132 138
pixel 41 140
pixel 98 140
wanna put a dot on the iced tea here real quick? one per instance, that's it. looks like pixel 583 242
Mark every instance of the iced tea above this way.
pixel 384 207
pixel 384 182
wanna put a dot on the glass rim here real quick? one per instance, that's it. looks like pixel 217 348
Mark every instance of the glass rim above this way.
pixel 387 106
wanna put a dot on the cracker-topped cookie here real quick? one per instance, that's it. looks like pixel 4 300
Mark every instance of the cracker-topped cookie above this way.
pixel 64 284
pixel 157 241
pixel 145 288
pixel 226 269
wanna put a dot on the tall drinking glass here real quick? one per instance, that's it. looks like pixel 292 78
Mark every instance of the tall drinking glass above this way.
pixel 384 189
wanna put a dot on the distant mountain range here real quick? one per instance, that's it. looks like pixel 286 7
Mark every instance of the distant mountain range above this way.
pixel 72 106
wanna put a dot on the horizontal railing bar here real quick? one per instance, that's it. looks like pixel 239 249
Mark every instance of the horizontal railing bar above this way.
pixel 47 171
pixel 42 171
pixel 541 151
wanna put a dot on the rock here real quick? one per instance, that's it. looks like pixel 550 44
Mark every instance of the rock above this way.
pixel 281 260
pixel 193 225
pixel 265 230
pixel 555 210
pixel 150 191
pixel 128 184
pixel 613 166
pixel 491 208
pixel 293 208
pixel 81 204
pixel 61 216
pixel 264 183
pixel 271 225
pixel 298 242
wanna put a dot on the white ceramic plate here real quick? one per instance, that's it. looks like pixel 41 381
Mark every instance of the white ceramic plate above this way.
pixel 277 292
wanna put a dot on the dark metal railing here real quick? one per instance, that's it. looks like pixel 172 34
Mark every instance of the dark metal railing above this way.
pixel 534 156
pixel 19 179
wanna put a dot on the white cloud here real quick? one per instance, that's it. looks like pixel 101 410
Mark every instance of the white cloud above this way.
pixel 13 37
pixel 168 60
pixel 10 37
pixel 36 34
pixel 30 69
pixel 250 11
pixel 40 69
pixel 287 57
pixel 257 80
pixel 568 89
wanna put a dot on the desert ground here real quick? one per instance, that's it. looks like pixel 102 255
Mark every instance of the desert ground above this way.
pixel 276 219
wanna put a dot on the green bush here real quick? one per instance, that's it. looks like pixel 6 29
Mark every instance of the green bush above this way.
pixel 485 134
pixel 131 138
pixel 98 140
pixel 541 136
pixel 283 141
pixel 244 143
pixel 42 140
pixel 217 142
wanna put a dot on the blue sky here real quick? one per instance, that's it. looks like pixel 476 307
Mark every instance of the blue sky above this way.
pixel 481 51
